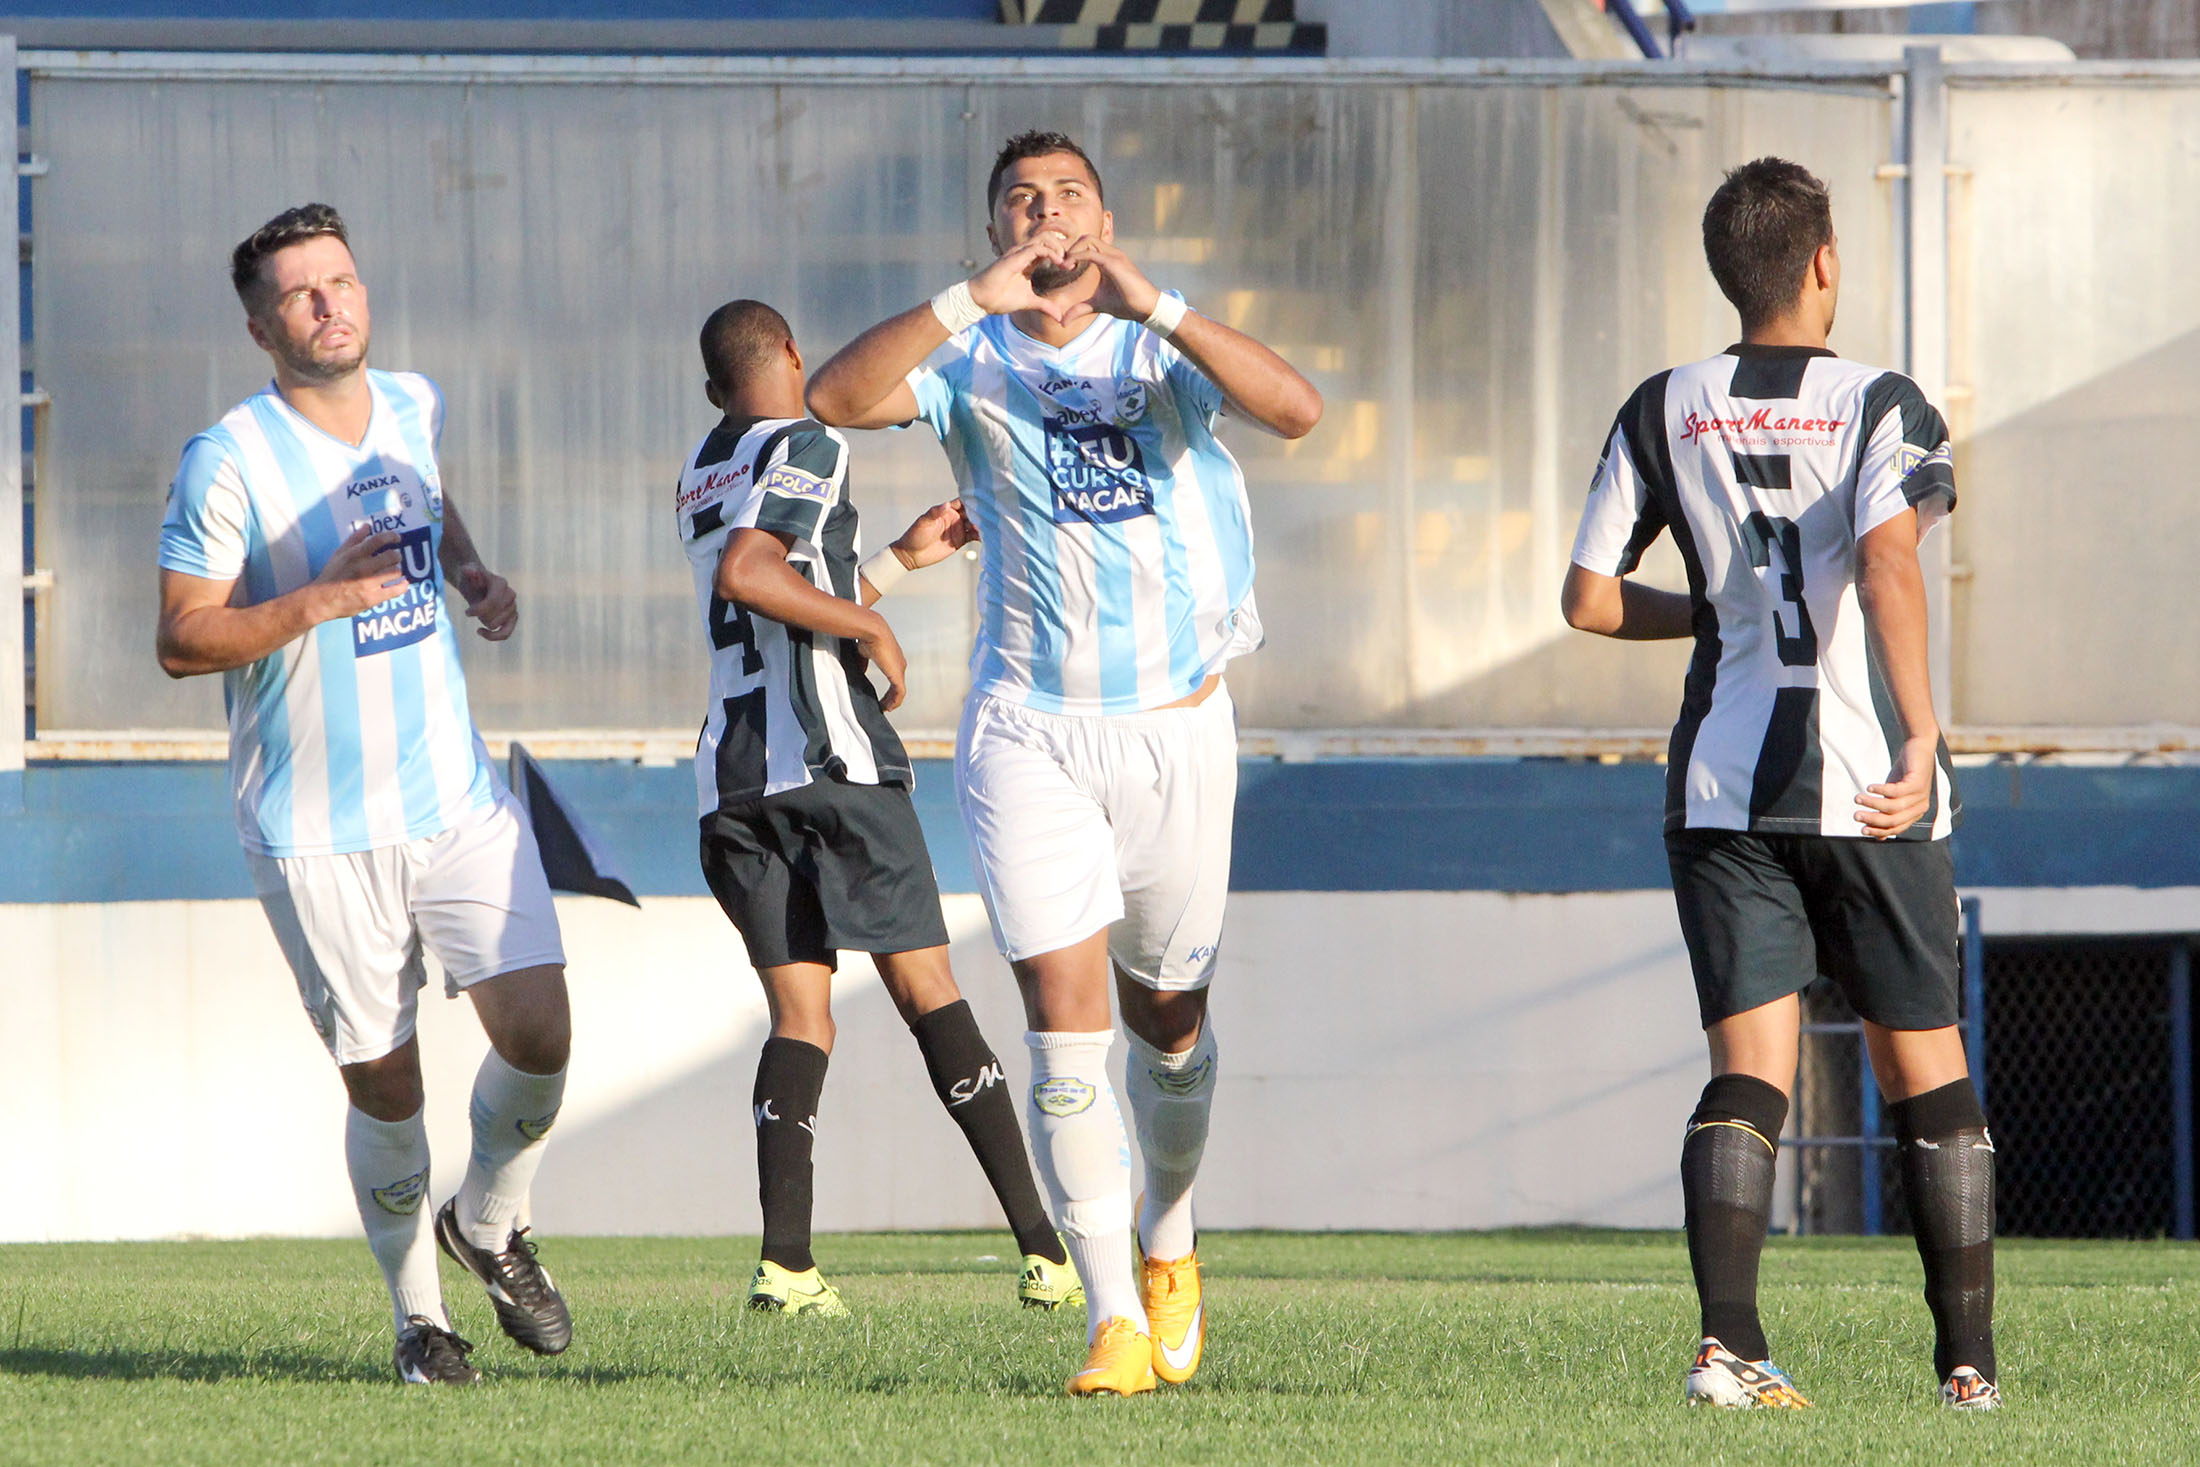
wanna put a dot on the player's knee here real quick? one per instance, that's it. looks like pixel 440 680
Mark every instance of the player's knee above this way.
pixel 528 1018
pixel 388 1088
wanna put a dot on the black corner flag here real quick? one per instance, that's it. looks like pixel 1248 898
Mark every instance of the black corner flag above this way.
pixel 571 858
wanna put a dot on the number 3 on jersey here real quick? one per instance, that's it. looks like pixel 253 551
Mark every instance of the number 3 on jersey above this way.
pixel 730 627
pixel 1761 532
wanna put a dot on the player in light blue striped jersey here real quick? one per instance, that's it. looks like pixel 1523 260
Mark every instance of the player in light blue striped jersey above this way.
pixel 1096 764
pixel 303 557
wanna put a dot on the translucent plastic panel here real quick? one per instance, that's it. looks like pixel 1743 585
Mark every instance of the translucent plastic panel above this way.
pixel 2075 328
pixel 1474 274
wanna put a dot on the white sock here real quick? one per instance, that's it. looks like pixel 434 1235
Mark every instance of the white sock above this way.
pixel 1084 1158
pixel 388 1161
pixel 512 1112
pixel 1171 1095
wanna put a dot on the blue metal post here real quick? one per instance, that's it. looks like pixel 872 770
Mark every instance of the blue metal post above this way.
pixel 2180 1081
pixel 1868 1150
pixel 1631 21
pixel 1974 996
pixel 1679 20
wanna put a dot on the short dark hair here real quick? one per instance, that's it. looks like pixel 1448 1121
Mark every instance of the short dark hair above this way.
pixel 1760 231
pixel 307 221
pixel 739 337
pixel 1036 144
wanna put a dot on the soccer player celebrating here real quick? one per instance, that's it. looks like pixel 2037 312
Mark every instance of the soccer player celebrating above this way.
pixel 1808 794
pixel 809 838
pixel 303 557
pixel 1096 764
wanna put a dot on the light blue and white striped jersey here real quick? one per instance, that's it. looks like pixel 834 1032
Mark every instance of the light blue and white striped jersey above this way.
pixel 1117 569
pixel 357 735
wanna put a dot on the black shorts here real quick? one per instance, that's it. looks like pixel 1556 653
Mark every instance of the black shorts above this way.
pixel 1764 914
pixel 807 873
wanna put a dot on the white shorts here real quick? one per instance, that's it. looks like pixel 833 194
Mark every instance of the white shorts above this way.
pixel 1120 821
pixel 353 926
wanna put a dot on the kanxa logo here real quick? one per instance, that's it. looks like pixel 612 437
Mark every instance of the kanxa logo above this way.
pixel 359 488
pixel 1098 473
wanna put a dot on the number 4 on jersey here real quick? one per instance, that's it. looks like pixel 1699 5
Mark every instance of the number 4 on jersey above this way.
pixel 1760 532
pixel 730 627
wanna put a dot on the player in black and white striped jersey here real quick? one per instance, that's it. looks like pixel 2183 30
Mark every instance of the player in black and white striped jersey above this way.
pixel 1809 794
pixel 809 839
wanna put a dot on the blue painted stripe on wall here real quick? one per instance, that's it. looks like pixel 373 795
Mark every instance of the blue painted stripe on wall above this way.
pixel 143 832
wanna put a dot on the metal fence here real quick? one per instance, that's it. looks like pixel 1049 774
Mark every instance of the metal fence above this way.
pixel 1474 262
pixel 2086 1051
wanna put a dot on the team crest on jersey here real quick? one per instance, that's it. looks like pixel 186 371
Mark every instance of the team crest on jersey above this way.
pixel 1130 400
pixel 1062 1096
pixel 784 480
pixel 1098 473
pixel 403 1198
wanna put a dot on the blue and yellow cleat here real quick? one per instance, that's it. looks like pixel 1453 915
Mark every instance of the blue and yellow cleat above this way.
pixel 1721 1378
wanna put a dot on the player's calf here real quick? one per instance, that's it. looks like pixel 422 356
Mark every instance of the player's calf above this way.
pixel 968 1078
pixel 1948 1174
pixel 1726 1189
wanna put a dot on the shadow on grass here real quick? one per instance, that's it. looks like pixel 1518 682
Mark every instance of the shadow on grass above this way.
pixel 286 1366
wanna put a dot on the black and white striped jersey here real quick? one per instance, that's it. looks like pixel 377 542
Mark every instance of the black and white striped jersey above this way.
pixel 786 704
pixel 1768 464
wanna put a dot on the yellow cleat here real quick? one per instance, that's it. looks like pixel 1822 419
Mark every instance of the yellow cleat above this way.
pixel 1120 1364
pixel 1177 1313
pixel 785 1292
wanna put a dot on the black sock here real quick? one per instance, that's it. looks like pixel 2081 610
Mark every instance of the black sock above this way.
pixel 969 1082
pixel 1948 1173
pixel 790 1075
pixel 1726 1187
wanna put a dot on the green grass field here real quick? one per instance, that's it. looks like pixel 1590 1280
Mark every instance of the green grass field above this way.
pixel 1515 1347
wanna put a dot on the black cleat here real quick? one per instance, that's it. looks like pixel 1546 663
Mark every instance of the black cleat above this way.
pixel 527 1302
pixel 427 1354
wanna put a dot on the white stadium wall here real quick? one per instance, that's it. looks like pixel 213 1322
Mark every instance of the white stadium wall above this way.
pixel 1389 1060
pixel 1393 1060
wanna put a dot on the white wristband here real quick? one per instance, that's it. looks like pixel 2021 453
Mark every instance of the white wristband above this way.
pixel 957 311
pixel 883 570
pixel 1168 314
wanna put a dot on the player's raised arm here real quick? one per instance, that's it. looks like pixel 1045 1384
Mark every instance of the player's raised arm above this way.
pixel 866 384
pixel 1260 385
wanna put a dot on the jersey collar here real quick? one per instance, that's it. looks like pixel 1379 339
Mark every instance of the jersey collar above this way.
pixel 1776 353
